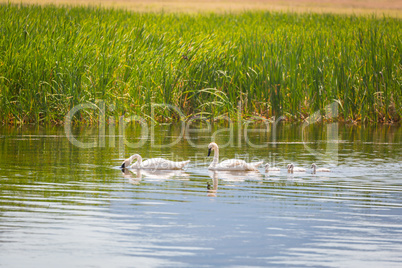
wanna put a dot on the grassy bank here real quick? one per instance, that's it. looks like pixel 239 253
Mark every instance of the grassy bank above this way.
pixel 54 58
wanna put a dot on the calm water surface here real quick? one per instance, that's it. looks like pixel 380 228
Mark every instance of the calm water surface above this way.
pixel 66 206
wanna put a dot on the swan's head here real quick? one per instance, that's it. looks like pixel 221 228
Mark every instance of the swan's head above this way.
pixel 128 161
pixel 212 146
pixel 290 166
pixel 313 166
pixel 266 167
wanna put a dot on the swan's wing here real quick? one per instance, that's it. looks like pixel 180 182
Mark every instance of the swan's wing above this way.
pixel 233 163
pixel 274 169
pixel 160 163
pixel 256 164
pixel 182 164
pixel 323 170
pixel 155 163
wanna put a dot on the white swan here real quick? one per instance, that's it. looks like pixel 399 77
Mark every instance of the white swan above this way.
pixel 153 163
pixel 231 164
pixel 314 167
pixel 268 169
pixel 292 168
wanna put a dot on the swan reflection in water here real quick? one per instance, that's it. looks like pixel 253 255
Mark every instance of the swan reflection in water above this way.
pixel 230 176
pixel 213 189
pixel 236 175
pixel 129 175
pixel 135 175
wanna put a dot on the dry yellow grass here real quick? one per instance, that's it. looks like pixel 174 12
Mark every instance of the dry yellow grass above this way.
pixel 388 7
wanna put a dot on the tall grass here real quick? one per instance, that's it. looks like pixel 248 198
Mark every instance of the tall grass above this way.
pixel 53 58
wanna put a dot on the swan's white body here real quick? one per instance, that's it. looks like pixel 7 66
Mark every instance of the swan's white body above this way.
pixel 315 169
pixel 153 163
pixel 268 169
pixel 231 164
pixel 292 168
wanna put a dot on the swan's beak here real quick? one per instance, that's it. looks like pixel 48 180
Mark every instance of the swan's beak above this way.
pixel 209 151
pixel 123 165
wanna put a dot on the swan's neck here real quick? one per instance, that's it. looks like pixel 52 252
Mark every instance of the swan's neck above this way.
pixel 215 161
pixel 266 167
pixel 139 160
pixel 314 169
pixel 291 169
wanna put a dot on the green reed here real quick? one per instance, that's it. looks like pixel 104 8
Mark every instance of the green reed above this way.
pixel 264 63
